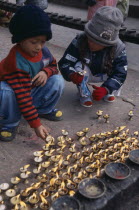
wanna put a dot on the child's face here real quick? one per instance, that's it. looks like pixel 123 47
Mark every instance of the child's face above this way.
pixel 32 46
pixel 94 46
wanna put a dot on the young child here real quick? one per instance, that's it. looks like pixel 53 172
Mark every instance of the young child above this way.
pixel 29 80
pixel 97 55
pixel 93 5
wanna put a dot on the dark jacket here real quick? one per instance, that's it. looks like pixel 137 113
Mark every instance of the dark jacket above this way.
pixel 111 61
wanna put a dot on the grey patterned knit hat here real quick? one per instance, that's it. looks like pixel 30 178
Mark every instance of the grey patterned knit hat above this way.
pixel 104 27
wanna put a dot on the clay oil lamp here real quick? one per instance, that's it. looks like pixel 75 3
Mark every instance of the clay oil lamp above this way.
pixel 38 153
pixel 134 145
pixel 49 153
pixel 106 117
pixel 26 191
pixel 66 175
pixel 84 174
pixel 94 148
pixel 25 175
pixel 66 162
pixel 115 132
pixel 46 147
pixel 15 200
pixel 45 164
pixel 43 178
pixel 24 168
pixel 58 180
pixel 96 164
pixel 90 168
pixel 102 152
pixel 72 148
pixel 93 137
pixel 85 130
pixel 125 149
pixel 83 141
pixel 81 162
pixel 69 140
pixel 38 159
pixel 99 114
pixel 60 164
pixel 63 190
pixel 44 203
pixel 15 180
pixel 89 159
pixel 53 171
pixel 54 196
pixel 37 170
pixel 65 133
pixel 2 206
pixel 50 140
pixel 60 138
pixel 61 143
pixel 117 139
pixel 77 155
pixel 117 154
pixel 86 151
pixel 55 158
pixel 80 133
pixel 71 193
pixel 97 156
pixel 44 193
pixel 130 114
pixel 100 145
pixel 74 168
pixel 4 186
pixel 78 178
pixel 71 185
pixel 109 141
pixel 52 187
pixel 119 145
pixel 136 133
pixel 112 157
pixel 23 206
pixel 112 149
pixel 33 199
pixel 105 159
pixel 10 193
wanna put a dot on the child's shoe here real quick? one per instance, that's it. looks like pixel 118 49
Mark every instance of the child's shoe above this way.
pixel 55 115
pixel 7 134
pixel 86 101
pixel 109 98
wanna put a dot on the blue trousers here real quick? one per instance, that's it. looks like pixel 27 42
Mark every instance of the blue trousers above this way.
pixel 44 99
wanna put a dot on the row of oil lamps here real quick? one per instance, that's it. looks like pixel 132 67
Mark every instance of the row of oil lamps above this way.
pixel 58 175
pixel 106 117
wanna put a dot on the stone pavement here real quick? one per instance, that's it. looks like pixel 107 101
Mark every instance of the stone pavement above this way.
pixel 15 154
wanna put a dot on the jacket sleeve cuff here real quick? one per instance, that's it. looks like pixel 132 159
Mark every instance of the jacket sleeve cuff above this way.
pixel 35 123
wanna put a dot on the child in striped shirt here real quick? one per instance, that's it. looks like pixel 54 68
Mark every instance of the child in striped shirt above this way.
pixel 29 80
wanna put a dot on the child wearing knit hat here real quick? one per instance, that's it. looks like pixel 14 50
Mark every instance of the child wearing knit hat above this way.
pixel 29 80
pixel 97 56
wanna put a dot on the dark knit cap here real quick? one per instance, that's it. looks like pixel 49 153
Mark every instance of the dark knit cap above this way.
pixel 29 21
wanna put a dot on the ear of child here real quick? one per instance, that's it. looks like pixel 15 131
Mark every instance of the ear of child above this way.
pixel 99 92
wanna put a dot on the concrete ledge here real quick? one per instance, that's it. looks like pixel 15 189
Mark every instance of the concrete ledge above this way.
pixel 118 192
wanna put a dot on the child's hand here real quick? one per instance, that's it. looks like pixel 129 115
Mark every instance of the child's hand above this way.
pixel 99 93
pixel 40 79
pixel 76 78
pixel 42 132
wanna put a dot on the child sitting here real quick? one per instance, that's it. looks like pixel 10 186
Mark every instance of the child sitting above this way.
pixel 29 80
pixel 97 55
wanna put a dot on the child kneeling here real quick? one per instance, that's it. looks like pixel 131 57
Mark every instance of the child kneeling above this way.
pixel 97 55
pixel 29 80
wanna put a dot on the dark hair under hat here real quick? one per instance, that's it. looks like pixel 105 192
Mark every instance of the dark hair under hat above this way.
pixel 29 21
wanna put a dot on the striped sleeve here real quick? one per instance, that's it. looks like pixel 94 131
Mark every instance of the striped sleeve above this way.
pixel 20 82
pixel 51 69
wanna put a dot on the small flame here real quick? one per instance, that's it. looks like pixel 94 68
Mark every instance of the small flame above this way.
pixel 34 196
pixel 121 150
pixel 105 156
pixel 68 157
pixel 52 181
pixel 63 185
pixel 73 146
pixel 52 150
pixel 122 157
pixel 80 175
pixel 98 172
pixel 91 155
pixel 22 204
pixel 57 175
pixel 68 172
pixel 43 199
pixel 71 193
pixel 26 166
pixel 81 160
pixel 75 166
pixel 60 162
pixel 55 169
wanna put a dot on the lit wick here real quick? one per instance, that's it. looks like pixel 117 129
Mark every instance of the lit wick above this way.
pixel 99 114
pixel 15 180
pixel 130 114
pixel 33 199
pixel 24 168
